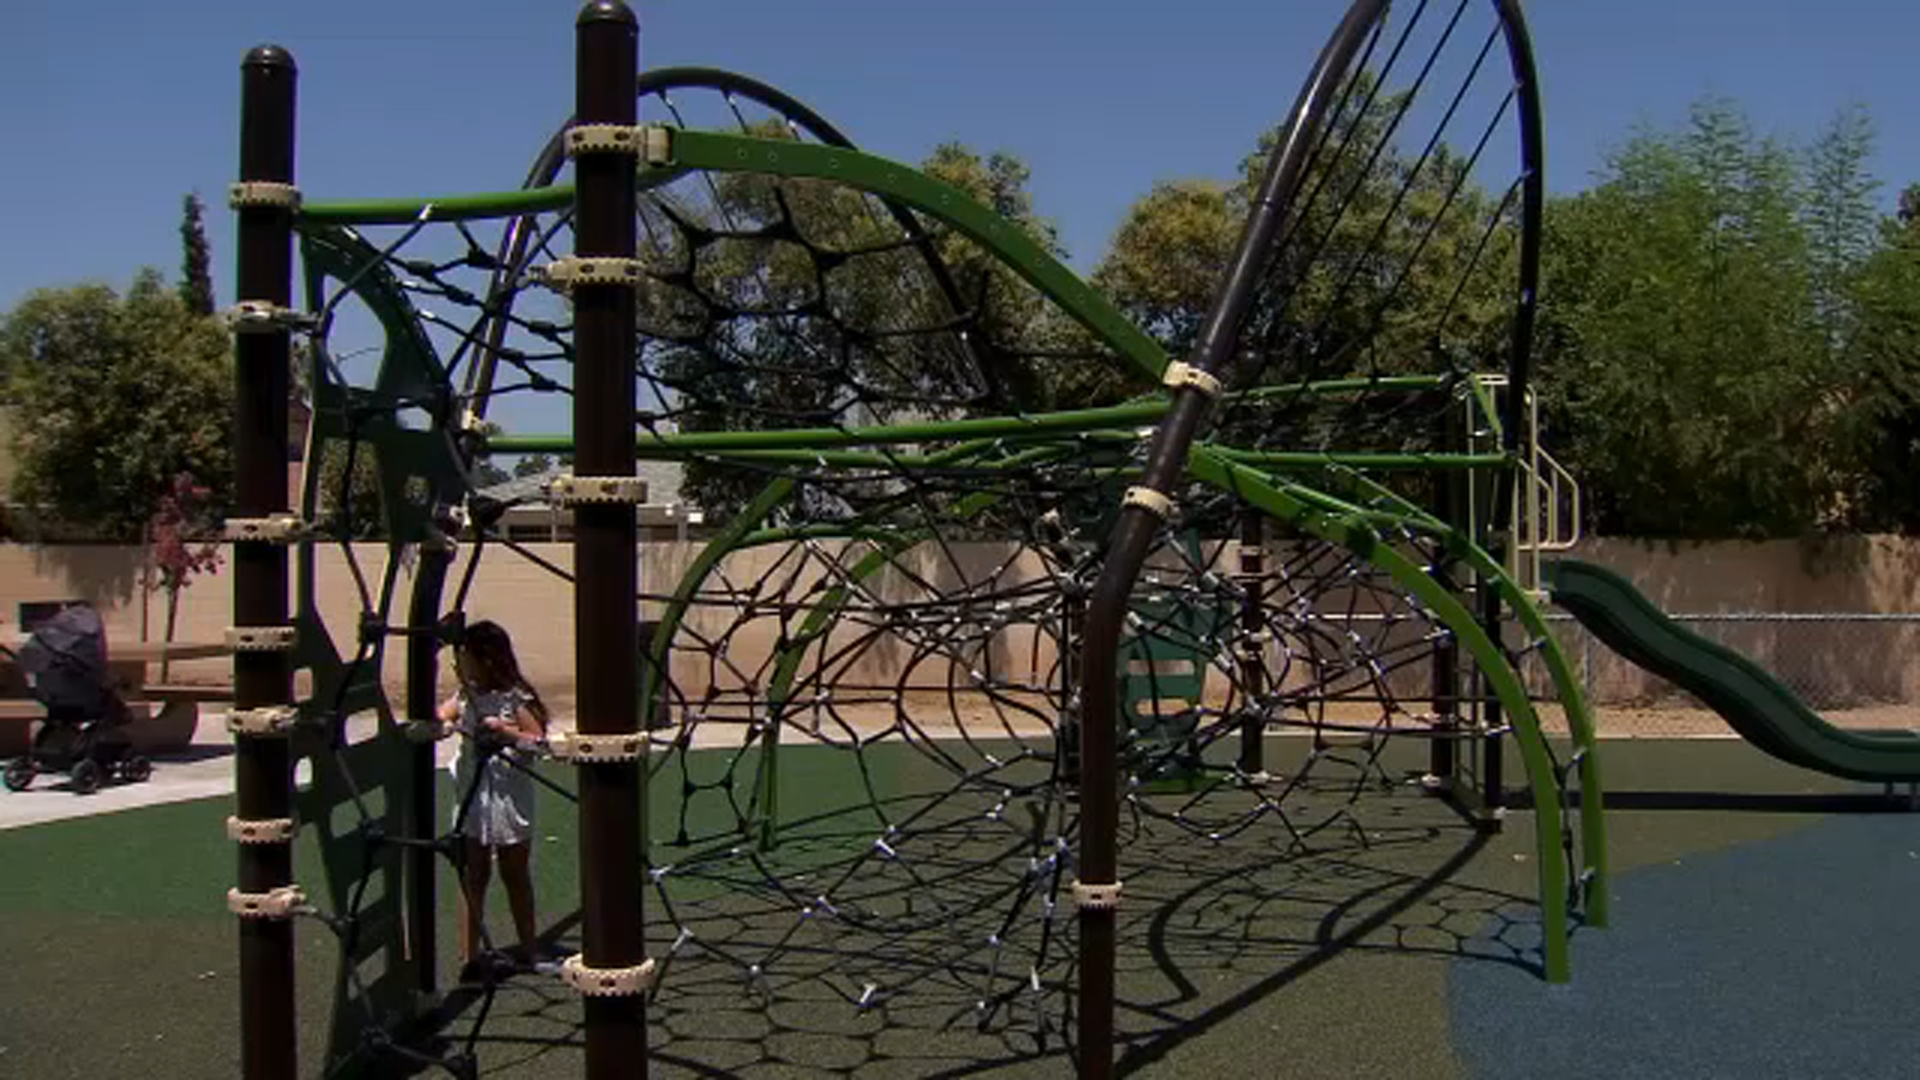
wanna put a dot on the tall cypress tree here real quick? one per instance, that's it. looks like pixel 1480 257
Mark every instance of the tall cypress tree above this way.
pixel 196 279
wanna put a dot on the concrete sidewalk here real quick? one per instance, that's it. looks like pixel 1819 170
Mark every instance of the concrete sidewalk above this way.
pixel 203 771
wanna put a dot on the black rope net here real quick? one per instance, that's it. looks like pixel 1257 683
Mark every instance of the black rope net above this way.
pixel 859 689
pixel 1398 272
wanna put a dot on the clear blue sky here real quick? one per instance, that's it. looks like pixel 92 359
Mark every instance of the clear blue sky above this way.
pixel 113 109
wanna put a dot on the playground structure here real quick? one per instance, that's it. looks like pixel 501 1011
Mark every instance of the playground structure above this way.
pixel 1002 583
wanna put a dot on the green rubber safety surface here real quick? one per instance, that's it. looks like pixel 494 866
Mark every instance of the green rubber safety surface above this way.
pixel 1236 959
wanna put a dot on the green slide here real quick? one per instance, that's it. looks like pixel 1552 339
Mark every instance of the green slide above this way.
pixel 1758 706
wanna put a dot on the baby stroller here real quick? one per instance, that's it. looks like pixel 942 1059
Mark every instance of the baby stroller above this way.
pixel 85 732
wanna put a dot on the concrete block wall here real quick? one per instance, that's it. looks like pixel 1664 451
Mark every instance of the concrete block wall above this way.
pixel 1858 574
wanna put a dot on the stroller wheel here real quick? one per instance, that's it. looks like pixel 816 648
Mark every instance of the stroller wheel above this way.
pixel 135 769
pixel 87 777
pixel 19 774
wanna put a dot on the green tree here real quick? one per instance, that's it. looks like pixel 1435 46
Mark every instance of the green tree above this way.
pixel 1033 357
pixel 1382 256
pixel 785 303
pixel 349 506
pixel 1837 208
pixel 196 276
pixel 1169 256
pixel 1686 357
pixel 114 396
pixel 532 465
pixel 1883 417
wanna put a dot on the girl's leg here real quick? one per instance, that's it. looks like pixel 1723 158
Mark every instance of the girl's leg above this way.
pixel 516 875
pixel 473 899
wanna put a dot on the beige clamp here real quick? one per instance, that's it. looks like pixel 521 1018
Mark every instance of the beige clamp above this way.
pixel 260 638
pixel 651 141
pixel 1147 499
pixel 275 528
pixel 271 721
pixel 1180 375
pixel 1096 897
pixel 270 831
pixel 264 317
pixel 280 903
pixel 606 982
pixel 262 193
pixel 569 273
pixel 569 490
pixel 573 746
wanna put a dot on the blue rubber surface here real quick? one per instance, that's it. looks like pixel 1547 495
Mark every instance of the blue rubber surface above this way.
pixel 1795 957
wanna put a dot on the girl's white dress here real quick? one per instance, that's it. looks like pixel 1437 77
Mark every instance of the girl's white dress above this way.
pixel 499 810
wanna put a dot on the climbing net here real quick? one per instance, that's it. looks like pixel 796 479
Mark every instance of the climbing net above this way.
pixel 1402 272
pixel 861 686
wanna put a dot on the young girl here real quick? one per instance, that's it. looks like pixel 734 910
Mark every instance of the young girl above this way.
pixel 500 717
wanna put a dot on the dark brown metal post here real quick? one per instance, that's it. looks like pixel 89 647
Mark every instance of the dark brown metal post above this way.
pixel 1449 505
pixel 264 677
pixel 1533 194
pixel 423 670
pixel 606 542
pixel 1139 524
pixel 1073 614
pixel 1253 624
pixel 1499 543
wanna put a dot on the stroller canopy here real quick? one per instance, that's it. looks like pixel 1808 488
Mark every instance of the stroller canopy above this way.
pixel 67 659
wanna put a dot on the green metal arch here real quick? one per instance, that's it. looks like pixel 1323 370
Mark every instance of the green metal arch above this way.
pixel 1532 618
pixel 1360 538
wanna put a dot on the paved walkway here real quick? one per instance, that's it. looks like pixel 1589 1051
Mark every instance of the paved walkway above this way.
pixel 204 771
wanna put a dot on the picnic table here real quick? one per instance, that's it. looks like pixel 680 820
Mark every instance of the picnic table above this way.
pixel 164 714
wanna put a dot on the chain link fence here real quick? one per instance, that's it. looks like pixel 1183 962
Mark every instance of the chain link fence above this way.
pixel 1858 670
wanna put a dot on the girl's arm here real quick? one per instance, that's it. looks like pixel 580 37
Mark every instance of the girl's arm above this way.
pixel 527 724
pixel 449 714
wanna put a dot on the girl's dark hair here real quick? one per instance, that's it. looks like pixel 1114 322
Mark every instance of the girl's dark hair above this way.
pixel 488 643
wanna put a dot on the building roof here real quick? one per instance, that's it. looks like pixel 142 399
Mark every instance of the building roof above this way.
pixel 662 478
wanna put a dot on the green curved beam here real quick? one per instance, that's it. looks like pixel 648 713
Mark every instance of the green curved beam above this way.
pixel 1035 425
pixel 1253 487
pixel 780 157
pixel 1580 726
pixel 551 199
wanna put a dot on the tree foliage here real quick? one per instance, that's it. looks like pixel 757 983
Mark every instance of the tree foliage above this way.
pixel 789 303
pixel 1882 429
pixel 1695 323
pixel 350 505
pixel 196 275
pixel 1728 340
pixel 1169 256
pixel 1382 252
pixel 178 546
pixel 114 395
pixel 1383 257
